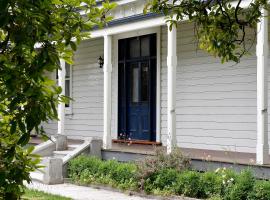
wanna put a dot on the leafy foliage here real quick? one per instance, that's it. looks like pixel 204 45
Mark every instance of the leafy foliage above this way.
pixel 261 191
pixel 152 164
pixel 222 184
pixel 91 170
pixel 220 25
pixel 34 35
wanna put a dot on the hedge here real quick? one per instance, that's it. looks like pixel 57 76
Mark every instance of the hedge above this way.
pixel 222 184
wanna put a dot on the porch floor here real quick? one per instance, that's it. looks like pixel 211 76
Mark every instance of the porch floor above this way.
pixel 194 154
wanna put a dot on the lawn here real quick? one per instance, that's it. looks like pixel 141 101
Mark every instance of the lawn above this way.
pixel 37 195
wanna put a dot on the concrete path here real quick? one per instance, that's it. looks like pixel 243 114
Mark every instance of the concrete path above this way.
pixel 82 193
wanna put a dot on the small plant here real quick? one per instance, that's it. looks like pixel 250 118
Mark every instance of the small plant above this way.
pixel 241 187
pixel 160 161
pixel 162 182
pixel 261 191
pixel 91 170
pixel 189 184
pixel 211 184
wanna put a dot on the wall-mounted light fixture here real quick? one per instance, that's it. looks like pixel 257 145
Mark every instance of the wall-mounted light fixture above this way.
pixel 100 62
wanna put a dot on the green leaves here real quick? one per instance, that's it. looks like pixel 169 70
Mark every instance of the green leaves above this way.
pixel 34 36
pixel 220 26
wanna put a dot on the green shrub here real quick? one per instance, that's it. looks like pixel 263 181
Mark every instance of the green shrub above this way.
pixel 240 187
pixel 78 165
pixel 162 182
pixel 211 184
pixel 261 191
pixel 87 170
pixel 189 184
pixel 152 164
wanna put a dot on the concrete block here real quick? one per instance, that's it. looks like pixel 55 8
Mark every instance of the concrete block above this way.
pixel 53 171
pixel 61 142
pixel 95 147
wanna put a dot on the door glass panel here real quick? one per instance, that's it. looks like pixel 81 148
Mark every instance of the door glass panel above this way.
pixel 135 83
pixel 67 70
pixel 144 81
pixel 134 48
pixel 145 46
pixel 67 91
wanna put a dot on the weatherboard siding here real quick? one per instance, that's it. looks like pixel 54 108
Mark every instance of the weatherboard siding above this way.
pixel 86 119
pixel 215 103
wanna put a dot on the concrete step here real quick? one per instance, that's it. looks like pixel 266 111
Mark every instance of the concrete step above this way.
pixel 61 154
pixel 73 146
pixel 37 176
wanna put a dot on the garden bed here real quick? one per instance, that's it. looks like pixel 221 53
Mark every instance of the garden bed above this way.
pixel 168 175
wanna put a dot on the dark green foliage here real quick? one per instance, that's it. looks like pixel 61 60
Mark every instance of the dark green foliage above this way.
pixel 220 27
pixel 87 170
pixel 34 36
pixel 163 180
pixel 240 188
pixel 223 184
pixel 211 184
pixel 189 184
pixel 261 191
pixel 152 164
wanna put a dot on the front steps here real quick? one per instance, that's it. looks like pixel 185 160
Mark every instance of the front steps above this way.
pixel 55 157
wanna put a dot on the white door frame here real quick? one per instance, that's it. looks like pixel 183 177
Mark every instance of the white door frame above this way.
pixel 156 30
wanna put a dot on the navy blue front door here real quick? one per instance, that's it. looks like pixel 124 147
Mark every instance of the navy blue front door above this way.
pixel 137 88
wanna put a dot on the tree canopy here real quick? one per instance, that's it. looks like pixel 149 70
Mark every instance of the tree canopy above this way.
pixel 34 36
pixel 220 25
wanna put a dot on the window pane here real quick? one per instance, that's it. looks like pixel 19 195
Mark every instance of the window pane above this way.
pixel 144 82
pixel 145 46
pixel 67 90
pixel 67 70
pixel 121 49
pixel 134 48
pixel 135 83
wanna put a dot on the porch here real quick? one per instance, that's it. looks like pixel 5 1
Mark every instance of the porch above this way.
pixel 110 108
pixel 201 159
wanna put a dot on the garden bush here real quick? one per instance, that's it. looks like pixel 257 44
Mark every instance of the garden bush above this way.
pixel 170 178
pixel 189 184
pixel 261 191
pixel 240 187
pixel 153 164
pixel 162 182
pixel 211 184
pixel 87 170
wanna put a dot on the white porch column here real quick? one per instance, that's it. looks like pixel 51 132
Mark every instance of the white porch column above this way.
pixel 107 69
pixel 171 64
pixel 61 106
pixel 262 90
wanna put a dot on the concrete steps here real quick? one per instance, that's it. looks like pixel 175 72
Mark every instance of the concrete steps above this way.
pixel 55 161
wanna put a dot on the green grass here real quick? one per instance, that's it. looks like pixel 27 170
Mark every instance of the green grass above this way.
pixel 37 195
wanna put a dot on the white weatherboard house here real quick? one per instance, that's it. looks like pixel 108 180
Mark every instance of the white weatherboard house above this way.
pixel 155 86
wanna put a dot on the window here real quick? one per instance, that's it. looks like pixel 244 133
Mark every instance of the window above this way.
pixel 68 87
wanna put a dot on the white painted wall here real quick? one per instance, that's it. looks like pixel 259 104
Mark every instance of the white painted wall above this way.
pixel 215 103
pixel 86 119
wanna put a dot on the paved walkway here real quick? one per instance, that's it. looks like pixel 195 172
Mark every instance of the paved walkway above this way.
pixel 82 193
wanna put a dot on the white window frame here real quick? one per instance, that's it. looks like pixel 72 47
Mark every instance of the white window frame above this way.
pixel 68 110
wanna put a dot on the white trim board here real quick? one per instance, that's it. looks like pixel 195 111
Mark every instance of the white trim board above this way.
pixel 156 30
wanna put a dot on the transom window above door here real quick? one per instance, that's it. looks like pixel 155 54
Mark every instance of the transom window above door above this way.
pixel 137 47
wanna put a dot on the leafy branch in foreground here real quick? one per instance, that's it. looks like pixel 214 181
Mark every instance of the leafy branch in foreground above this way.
pixel 34 36
pixel 221 26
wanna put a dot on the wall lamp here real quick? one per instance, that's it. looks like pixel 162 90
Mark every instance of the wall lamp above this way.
pixel 100 62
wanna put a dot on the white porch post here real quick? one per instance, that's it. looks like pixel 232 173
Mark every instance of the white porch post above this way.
pixel 262 90
pixel 107 69
pixel 61 106
pixel 171 64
